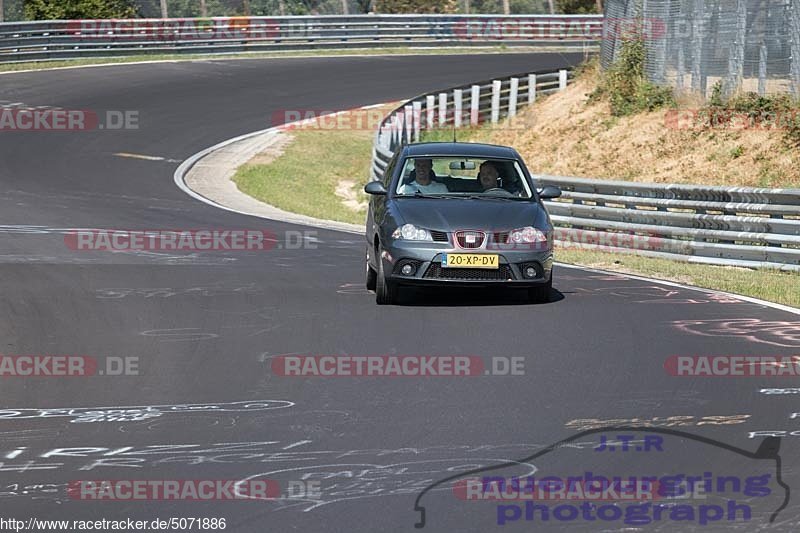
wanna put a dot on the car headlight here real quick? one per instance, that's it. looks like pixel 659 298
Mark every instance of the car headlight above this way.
pixel 410 232
pixel 527 234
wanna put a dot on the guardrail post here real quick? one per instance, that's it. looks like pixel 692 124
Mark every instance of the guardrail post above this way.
pixel 496 85
pixel 442 109
pixel 458 106
pixel 397 130
pixel 762 69
pixel 383 138
pixel 417 119
pixel 512 97
pixel 430 103
pixel 474 105
pixel 794 31
pixel 408 110
pixel 531 88
pixel 562 80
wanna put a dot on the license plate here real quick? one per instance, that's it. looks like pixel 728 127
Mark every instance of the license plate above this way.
pixel 470 261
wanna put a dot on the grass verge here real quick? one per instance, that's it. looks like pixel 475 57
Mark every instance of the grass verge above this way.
pixel 316 162
pixel 315 166
pixel 770 285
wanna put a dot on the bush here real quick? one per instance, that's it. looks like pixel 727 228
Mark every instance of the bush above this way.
pixel 626 86
pixel 415 6
pixel 759 111
pixel 78 9
pixel 576 7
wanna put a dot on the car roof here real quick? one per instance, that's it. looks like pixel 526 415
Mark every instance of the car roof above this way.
pixel 477 150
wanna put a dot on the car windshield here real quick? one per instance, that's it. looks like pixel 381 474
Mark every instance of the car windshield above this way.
pixel 462 177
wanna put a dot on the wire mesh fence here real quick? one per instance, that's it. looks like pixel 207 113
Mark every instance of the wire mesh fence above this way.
pixel 693 45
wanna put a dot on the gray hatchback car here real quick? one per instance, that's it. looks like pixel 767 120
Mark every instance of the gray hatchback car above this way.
pixel 458 214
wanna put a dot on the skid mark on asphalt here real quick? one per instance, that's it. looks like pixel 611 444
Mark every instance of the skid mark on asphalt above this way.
pixel 776 333
pixel 353 288
pixel 178 334
pixel 168 292
pixel 138 413
pixel 656 294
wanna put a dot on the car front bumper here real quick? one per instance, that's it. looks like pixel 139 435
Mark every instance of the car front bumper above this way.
pixel 426 260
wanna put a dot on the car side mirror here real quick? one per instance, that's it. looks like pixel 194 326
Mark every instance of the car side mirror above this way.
pixel 549 192
pixel 376 188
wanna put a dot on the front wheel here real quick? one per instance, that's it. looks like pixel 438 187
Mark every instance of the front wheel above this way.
pixel 372 276
pixel 385 290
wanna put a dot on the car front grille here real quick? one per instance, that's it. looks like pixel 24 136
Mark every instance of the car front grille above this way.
pixel 463 238
pixel 436 271
pixel 500 238
pixel 439 236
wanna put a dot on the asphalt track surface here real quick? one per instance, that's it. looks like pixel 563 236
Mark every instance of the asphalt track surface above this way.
pixel 205 327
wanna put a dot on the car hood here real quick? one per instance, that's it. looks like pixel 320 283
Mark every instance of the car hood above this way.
pixel 463 214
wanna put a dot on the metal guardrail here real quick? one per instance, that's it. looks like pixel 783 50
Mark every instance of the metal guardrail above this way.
pixel 483 102
pixel 731 226
pixel 70 39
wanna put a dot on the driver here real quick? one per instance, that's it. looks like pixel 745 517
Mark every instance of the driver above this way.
pixel 422 179
pixel 488 176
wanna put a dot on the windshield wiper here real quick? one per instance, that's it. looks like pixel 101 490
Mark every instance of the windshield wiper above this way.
pixel 421 195
pixel 493 197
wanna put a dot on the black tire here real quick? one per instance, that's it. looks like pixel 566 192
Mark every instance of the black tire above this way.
pixel 541 295
pixel 372 276
pixel 385 291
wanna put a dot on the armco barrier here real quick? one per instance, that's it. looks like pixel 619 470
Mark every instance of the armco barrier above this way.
pixel 69 39
pixel 732 226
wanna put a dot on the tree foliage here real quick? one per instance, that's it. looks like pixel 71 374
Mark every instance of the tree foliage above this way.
pixel 626 86
pixel 416 6
pixel 576 7
pixel 78 9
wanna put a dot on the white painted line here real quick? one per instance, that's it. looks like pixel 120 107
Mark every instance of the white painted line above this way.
pixel 748 299
pixel 188 163
pixel 146 157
